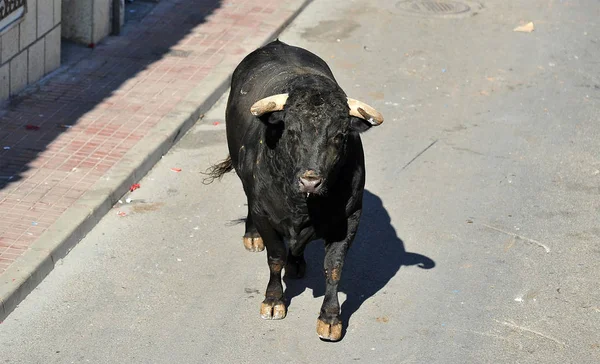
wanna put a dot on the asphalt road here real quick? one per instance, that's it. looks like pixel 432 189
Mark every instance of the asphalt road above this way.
pixel 479 240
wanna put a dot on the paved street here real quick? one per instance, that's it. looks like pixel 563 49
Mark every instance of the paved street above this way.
pixel 74 143
pixel 479 240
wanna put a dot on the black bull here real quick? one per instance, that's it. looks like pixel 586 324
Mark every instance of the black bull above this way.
pixel 294 142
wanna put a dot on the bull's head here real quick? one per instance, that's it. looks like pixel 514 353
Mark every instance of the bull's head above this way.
pixel 357 108
pixel 313 128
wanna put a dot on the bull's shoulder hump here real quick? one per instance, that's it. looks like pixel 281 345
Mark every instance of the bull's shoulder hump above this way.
pixel 285 57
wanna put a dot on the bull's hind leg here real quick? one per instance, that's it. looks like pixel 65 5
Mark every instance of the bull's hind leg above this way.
pixel 329 324
pixel 295 266
pixel 273 307
pixel 252 240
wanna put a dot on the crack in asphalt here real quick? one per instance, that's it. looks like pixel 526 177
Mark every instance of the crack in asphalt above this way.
pixel 418 155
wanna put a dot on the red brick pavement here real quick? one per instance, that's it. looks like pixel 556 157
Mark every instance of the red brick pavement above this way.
pixel 90 115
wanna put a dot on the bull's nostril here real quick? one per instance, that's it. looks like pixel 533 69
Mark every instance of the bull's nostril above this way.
pixel 310 184
pixel 309 181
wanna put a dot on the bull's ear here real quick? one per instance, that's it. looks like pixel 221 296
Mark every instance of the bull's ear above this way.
pixel 273 118
pixel 359 125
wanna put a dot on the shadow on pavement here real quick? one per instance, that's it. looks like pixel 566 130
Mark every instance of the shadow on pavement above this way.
pixel 375 257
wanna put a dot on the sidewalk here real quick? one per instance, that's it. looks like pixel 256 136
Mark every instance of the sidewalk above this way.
pixel 73 146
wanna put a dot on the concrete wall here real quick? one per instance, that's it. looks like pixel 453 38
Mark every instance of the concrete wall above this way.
pixel 30 46
pixel 77 20
pixel 87 21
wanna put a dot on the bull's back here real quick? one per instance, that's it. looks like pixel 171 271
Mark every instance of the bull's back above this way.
pixel 266 71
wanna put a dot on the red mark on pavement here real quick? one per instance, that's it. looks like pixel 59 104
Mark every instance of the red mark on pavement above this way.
pixel 216 123
pixel 134 187
pixel 32 127
pixel 176 169
pixel 121 213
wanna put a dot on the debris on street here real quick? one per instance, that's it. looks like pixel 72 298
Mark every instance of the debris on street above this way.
pixel 32 127
pixel 121 213
pixel 176 169
pixel 134 187
pixel 527 28
pixel 519 237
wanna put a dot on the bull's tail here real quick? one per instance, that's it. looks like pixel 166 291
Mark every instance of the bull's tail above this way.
pixel 217 171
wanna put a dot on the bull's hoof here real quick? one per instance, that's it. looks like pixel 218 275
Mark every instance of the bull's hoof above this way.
pixel 329 332
pixel 253 243
pixel 272 309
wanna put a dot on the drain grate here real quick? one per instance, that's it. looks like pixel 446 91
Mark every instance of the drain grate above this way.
pixel 178 53
pixel 433 7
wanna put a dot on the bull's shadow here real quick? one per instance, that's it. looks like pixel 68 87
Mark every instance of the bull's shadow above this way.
pixel 374 258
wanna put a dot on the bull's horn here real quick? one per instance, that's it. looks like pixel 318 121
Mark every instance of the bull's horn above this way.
pixel 269 104
pixel 364 111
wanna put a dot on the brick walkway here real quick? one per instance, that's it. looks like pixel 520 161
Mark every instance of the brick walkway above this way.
pixel 60 139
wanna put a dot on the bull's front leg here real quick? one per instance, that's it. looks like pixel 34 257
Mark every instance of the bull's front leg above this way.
pixel 329 325
pixel 273 307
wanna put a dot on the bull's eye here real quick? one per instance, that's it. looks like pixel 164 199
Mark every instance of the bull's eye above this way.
pixel 338 139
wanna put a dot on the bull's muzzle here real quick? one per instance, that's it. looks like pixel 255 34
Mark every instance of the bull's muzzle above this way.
pixel 310 182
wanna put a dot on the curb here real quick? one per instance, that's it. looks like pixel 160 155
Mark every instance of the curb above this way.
pixel 31 268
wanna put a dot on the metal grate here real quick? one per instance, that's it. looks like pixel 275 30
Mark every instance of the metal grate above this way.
pixel 433 7
pixel 179 53
pixel 10 11
pixel 8 7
